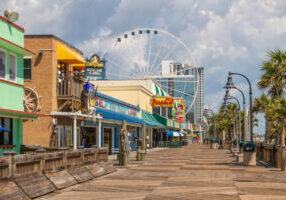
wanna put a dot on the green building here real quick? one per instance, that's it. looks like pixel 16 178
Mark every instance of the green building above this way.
pixel 12 111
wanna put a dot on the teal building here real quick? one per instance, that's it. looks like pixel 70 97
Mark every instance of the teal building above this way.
pixel 12 112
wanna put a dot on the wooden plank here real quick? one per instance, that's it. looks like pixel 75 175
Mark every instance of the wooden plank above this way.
pixel 61 179
pixel 80 174
pixel 10 191
pixel 108 166
pixel 96 170
pixel 35 184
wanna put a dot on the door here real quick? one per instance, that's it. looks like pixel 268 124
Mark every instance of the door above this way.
pixel 107 138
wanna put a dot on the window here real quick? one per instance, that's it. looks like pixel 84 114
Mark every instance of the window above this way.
pixel 27 68
pixel 6 137
pixel 13 67
pixel 2 64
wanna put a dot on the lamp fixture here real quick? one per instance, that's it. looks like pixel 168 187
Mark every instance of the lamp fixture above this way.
pixel 229 84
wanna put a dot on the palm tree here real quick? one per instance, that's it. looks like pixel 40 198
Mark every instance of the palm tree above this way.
pixel 262 104
pixel 278 114
pixel 274 71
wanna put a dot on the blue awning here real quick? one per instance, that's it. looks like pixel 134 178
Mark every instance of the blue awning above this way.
pixel 118 117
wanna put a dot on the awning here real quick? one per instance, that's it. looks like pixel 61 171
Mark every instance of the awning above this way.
pixel 67 56
pixel 17 114
pixel 150 119
pixel 174 134
pixel 109 115
pixel 14 47
pixel 159 91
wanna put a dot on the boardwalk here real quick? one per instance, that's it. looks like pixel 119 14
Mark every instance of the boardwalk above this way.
pixel 193 172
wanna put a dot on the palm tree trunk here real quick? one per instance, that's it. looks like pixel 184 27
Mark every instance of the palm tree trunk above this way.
pixel 282 143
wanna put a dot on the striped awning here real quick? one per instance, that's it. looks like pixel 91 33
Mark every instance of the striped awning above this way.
pixel 159 91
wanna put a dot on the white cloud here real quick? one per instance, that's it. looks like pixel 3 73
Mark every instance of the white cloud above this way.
pixel 223 35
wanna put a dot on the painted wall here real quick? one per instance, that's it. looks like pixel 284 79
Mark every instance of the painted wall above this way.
pixel 11 33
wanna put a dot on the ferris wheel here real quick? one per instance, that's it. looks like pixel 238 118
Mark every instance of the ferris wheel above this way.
pixel 149 53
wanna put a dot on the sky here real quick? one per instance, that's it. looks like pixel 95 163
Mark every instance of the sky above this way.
pixel 222 35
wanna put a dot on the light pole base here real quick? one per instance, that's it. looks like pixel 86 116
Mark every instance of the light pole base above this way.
pixel 249 158
pixel 214 145
pixel 239 157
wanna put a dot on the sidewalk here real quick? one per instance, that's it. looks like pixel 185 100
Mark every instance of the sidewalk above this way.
pixel 189 173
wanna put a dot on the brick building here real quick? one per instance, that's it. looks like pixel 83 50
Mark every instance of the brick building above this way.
pixel 50 72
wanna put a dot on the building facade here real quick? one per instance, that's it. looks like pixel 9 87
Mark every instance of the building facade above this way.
pixel 59 85
pixel 182 80
pixel 12 113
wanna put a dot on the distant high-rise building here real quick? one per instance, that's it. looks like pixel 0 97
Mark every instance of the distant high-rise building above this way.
pixel 182 80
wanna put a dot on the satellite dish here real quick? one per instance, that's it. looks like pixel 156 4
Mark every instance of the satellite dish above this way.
pixel 11 16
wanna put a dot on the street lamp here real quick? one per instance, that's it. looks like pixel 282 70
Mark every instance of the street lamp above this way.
pixel 228 97
pixel 215 133
pixel 250 102
pixel 230 85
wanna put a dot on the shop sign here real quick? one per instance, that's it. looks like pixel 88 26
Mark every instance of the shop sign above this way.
pixel 94 61
pixel 108 105
pixel 94 68
pixel 162 102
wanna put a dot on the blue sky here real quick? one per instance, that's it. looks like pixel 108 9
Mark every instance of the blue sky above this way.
pixel 223 35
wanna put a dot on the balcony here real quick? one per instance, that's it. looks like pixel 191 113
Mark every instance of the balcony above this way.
pixel 69 90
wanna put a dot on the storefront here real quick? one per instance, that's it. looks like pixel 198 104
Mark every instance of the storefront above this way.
pixel 113 112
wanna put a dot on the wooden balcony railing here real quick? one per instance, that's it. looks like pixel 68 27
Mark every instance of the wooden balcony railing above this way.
pixel 70 87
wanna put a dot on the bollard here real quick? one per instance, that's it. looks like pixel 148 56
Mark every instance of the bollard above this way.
pixel 12 165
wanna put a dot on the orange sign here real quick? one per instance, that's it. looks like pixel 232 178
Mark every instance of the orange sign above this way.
pixel 162 102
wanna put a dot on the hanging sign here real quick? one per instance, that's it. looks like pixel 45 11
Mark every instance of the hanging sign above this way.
pixel 94 61
pixel 162 102
pixel 94 68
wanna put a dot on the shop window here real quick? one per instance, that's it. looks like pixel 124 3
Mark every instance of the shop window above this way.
pixel 27 68
pixel 2 64
pixel 6 137
pixel 13 67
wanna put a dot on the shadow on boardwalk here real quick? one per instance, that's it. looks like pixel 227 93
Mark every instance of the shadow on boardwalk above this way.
pixel 192 172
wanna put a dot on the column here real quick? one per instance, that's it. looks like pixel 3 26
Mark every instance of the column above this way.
pixel 98 134
pixel 74 133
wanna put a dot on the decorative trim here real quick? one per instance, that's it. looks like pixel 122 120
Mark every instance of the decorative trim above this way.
pixel 7 146
pixel 17 45
pixel 15 25
pixel 12 83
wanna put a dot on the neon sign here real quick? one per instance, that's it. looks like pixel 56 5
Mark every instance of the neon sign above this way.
pixel 162 102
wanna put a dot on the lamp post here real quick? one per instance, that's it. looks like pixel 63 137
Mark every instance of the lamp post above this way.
pixel 250 103
pixel 214 143
pixel 230 85
pixel 228 97
pixel 215 133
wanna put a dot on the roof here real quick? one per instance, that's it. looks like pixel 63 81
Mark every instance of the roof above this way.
pixel 13 24
pixel 116 100
pixel 54 37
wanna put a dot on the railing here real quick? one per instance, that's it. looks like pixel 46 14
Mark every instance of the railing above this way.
pixel 70 87
pixel 14 165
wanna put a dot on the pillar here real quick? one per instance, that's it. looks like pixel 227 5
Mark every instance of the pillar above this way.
pixel 74 133
pixel 98 135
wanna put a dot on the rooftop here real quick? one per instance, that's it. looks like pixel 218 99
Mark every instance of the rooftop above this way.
pixel 54 37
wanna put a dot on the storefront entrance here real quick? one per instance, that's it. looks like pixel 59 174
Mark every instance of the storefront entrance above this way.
pixel 89 137
pixel 108 138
